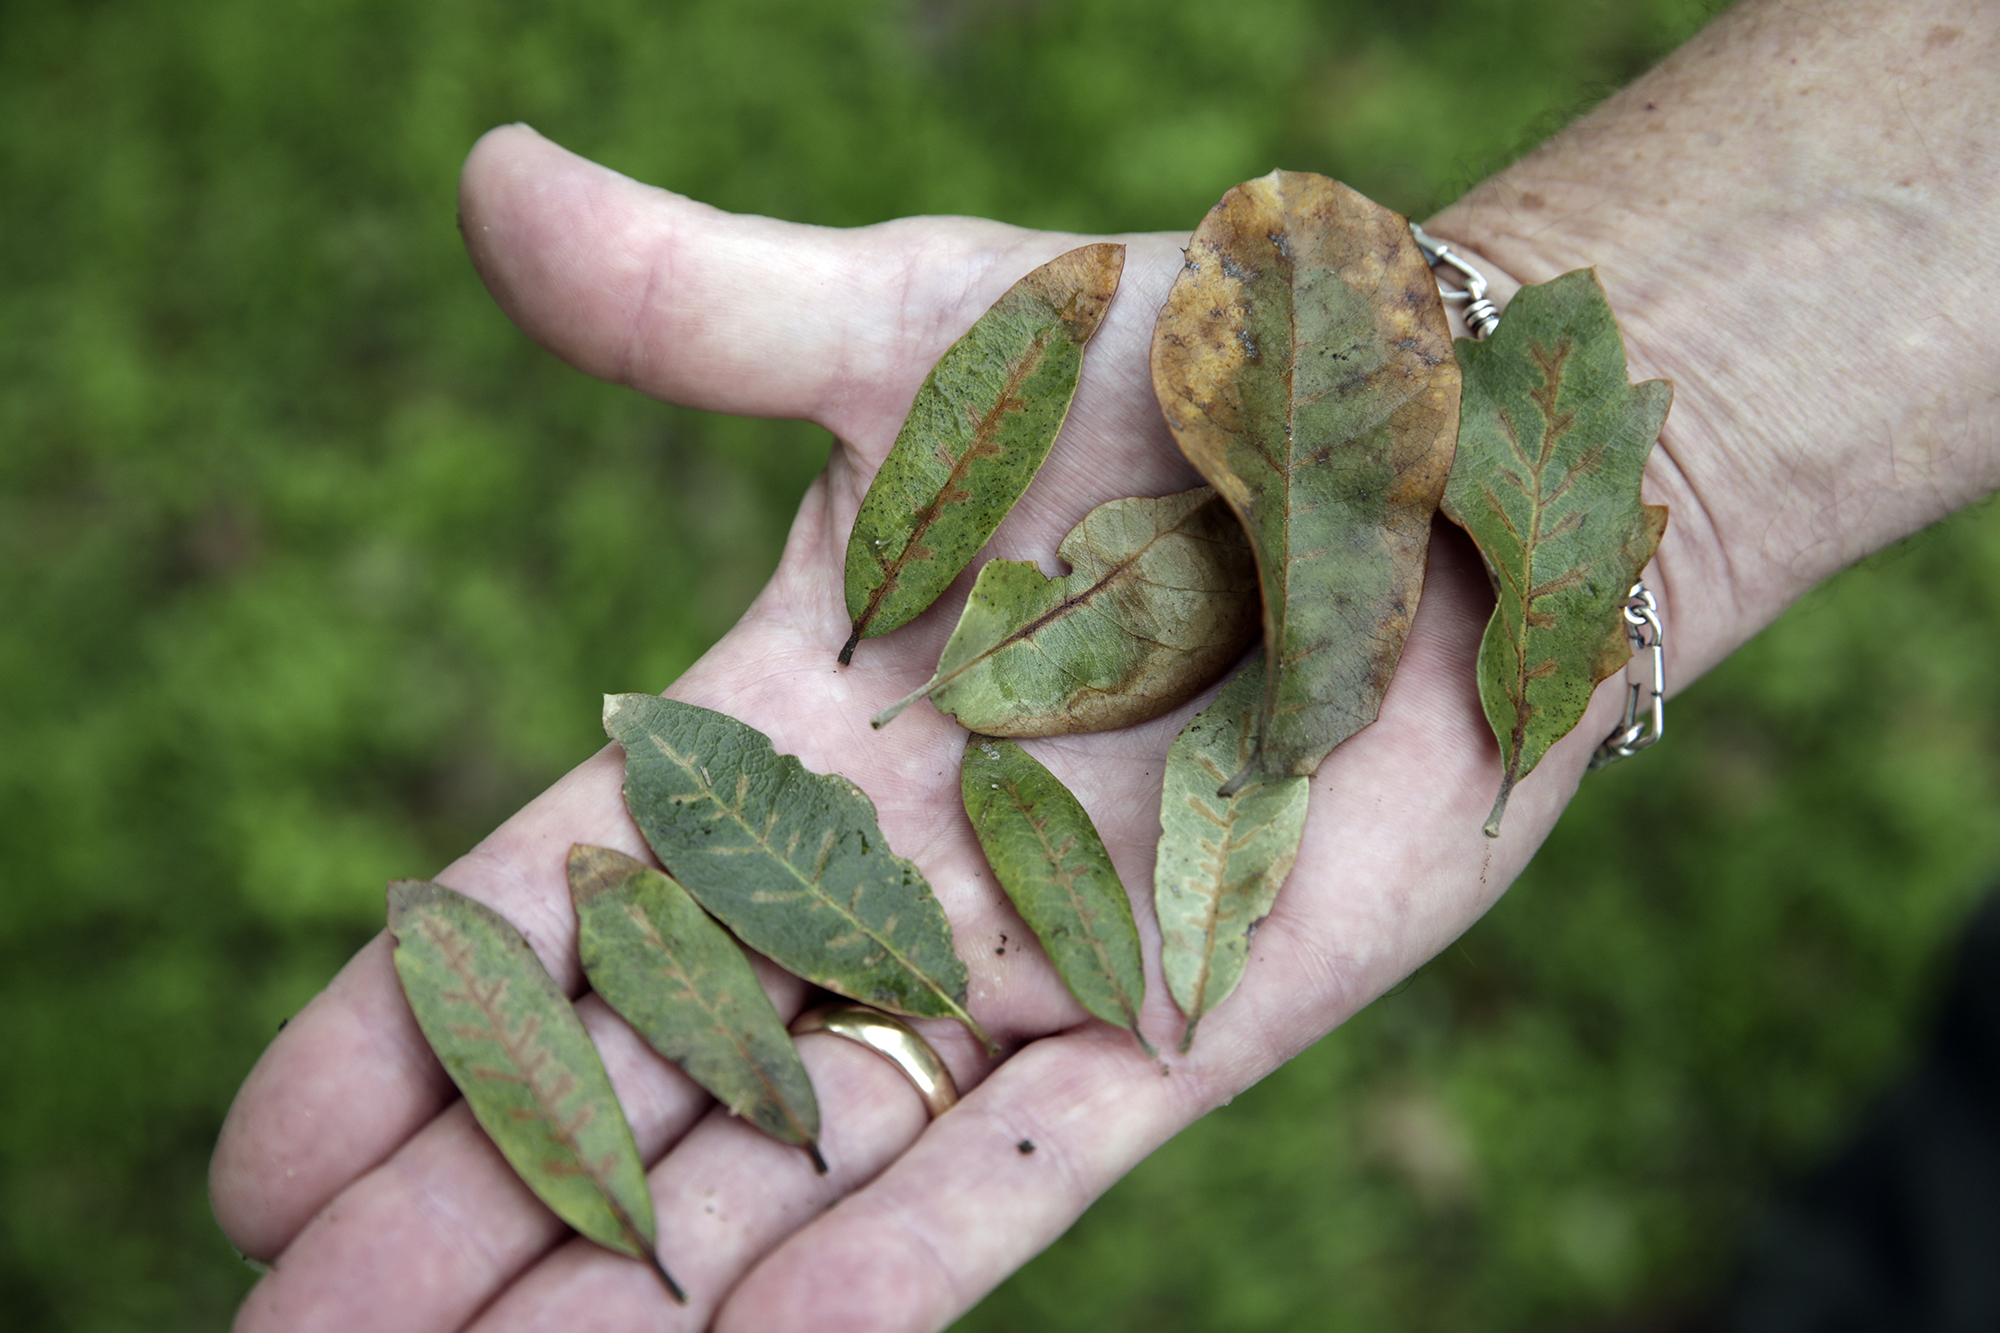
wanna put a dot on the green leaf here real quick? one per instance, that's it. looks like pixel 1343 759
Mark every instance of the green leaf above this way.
pixel 1551 449
pixel 514 1046
pixel 1049 859
pixel 1160 601
pixel 1222 858
pixel 975 437
pixel 1303 361
pixel 688 991
pixel 792 861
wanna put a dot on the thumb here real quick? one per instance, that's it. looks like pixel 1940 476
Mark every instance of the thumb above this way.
pixel 722 311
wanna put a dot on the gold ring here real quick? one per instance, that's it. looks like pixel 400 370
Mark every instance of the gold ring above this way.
pixel 892 1039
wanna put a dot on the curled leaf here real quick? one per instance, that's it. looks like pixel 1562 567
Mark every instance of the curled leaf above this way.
pixel 1551 451
pixel 793 862
pixel 1161 599
pixel 1303 361
pixel 1048 857
pixel 513 1044
pixel 977 433
pixel 1222 858
pixel 690 994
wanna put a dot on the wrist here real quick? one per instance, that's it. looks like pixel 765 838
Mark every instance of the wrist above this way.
pixel 1796 274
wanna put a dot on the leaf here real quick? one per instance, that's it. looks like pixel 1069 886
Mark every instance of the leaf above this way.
pixel 688 991
pixel 514 1046
pixel 792 861
pixel 1222 858
pixel 975 437
pixel 1048 857
pixel 1160 600
pixel 1303 361
pixel 1552 445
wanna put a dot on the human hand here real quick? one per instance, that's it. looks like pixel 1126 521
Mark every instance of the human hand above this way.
pixel 1714 196
pixel 347 1157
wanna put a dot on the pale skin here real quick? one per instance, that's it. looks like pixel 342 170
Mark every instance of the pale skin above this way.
pixel 1791 216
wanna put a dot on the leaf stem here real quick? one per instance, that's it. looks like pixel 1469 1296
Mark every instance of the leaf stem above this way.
pixel 673 1288
pixel 889 714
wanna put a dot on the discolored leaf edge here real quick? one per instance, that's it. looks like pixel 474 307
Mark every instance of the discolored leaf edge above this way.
pixel 1196 356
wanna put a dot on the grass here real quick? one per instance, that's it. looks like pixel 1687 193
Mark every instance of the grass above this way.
pixel 312 569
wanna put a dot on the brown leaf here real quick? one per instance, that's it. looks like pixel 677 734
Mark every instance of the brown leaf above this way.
pixel 1304 364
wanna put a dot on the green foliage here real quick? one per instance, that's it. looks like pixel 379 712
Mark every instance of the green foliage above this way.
pixel 1049 858
pixel 1546 483
pixel 982 423
pixel 1160 600
pixel 514 1045
pixel 687 989
pixel 1222 859
pixel 790 860
pixel 312 570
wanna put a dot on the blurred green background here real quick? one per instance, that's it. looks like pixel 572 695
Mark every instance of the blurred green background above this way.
pixel 312 569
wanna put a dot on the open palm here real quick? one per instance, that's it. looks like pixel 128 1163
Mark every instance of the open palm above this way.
pixel 1700 191
pixel 348 1158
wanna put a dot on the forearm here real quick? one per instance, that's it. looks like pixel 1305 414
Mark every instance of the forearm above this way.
pixel 1789 214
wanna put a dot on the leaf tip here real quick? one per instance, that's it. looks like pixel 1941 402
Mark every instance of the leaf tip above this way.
pixel 847 649
pixel 812 1151
pixel 673 1288
pixel 1187 1035
pixel 596 870
pixel 1492 829
pixel 405 896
